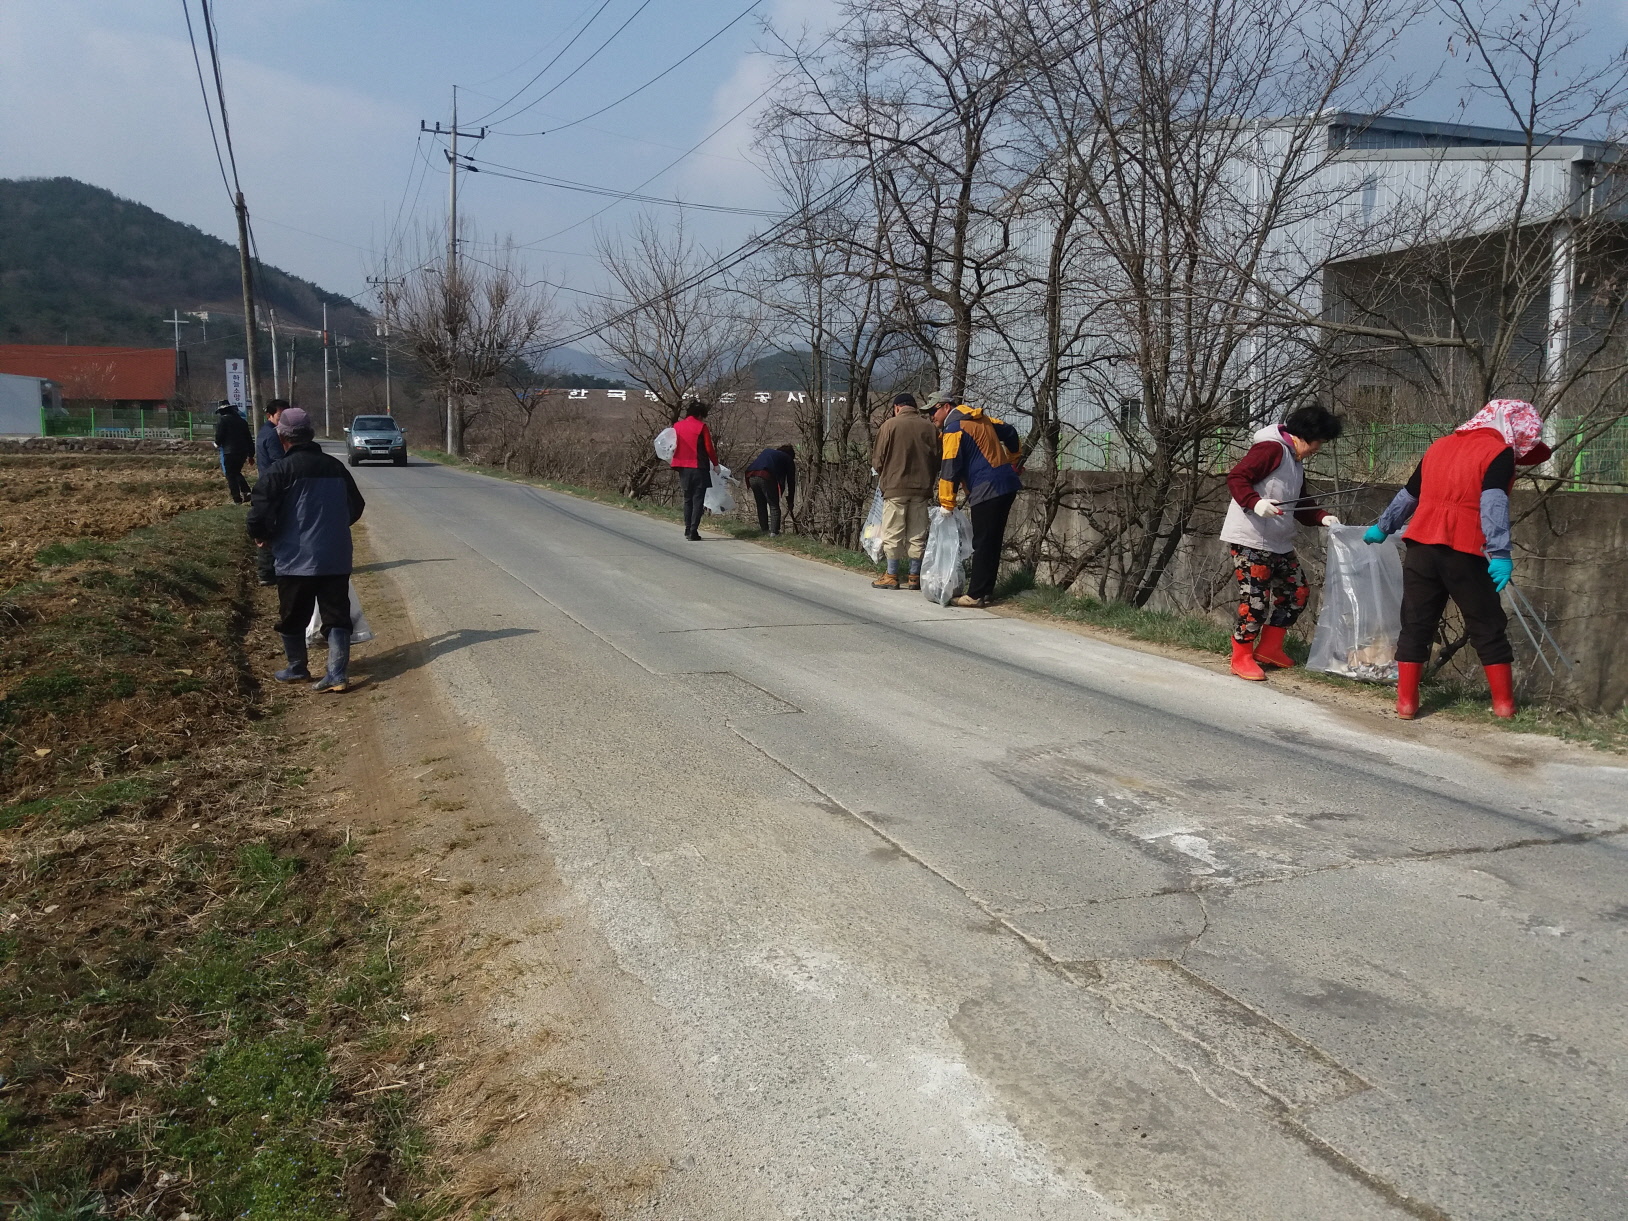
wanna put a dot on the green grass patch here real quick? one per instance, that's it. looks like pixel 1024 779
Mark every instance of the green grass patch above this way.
pixel 1139 623
pixel 200 993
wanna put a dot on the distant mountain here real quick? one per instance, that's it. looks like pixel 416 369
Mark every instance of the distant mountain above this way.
pixel 562 362
pixel 80 265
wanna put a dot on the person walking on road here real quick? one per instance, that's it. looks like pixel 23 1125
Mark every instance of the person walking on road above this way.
pixel 1456 510
pixel 303 509
pixel 235 445
pixel 1268 487
pixel 268 452
pixel 981 454
pixel 693 460
pixel 768 475
pixel 905 458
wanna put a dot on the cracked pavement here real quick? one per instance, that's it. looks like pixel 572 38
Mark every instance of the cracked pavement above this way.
pixel 919 913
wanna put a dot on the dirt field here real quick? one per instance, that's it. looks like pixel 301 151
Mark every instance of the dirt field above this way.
pixel 225 903
pixel 59 498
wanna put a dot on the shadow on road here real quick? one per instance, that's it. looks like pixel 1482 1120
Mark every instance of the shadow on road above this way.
pixel 411 656
pixel 385 565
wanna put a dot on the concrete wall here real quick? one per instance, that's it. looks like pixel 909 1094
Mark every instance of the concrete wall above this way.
pixel 1571 561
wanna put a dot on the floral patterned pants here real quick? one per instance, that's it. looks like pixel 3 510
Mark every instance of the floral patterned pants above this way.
pixel 1271 590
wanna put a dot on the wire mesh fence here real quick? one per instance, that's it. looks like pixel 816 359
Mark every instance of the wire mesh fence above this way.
pixel 137 424
pixel 1587 458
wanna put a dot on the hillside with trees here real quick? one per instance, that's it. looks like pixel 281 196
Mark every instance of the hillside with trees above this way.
pixel 80 265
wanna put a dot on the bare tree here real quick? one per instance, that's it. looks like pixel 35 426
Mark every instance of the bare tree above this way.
pixel 465 331
pixel 676 330
pixel 1201 140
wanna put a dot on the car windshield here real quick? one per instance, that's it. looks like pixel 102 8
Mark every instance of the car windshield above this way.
pixel 373 423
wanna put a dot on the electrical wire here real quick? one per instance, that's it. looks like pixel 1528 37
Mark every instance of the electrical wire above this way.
pixel 220 90
pixel 544 69
pixel 517 174
pixel 209 111
pixel 719 33
pixel 590 59
pixel 542 50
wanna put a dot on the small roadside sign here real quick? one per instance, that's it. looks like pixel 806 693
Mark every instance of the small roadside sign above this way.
pixel 237 384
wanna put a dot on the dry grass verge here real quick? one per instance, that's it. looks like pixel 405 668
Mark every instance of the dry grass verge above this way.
pixel 201 995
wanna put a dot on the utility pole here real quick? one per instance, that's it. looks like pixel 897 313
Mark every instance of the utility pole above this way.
pixel 386 285
pixel 451 285
pixel 175 320
pixel 250 337
pixel 292 344
pixel 327 414
pixel 276 386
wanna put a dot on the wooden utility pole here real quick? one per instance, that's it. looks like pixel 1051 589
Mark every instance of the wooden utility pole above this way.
pixel 327 412
pixel 251 340
pixel 386 286
pixel 451 286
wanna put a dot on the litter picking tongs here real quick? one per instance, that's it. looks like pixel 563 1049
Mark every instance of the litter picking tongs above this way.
pixel 1527 614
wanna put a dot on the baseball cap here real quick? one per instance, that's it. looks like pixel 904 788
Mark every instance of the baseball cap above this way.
pixel 293 420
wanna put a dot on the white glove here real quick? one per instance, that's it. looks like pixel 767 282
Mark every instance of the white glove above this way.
pixel 1329 520
pixel 1267 508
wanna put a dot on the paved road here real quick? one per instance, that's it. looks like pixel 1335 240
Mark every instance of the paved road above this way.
pixel 940 915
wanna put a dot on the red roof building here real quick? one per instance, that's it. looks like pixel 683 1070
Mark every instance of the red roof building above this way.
pixel 134 376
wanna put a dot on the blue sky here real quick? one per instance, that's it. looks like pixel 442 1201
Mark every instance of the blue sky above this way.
pixel 326 98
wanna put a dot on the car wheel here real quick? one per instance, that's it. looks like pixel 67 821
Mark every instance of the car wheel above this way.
pixel 400 460
pixel 355 461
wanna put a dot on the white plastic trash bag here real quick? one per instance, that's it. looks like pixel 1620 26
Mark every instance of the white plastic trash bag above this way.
pixel 1361 615
pixel 667 444
pixel 360 631
pixel 870 535
pixel 949 546
pixel 719 498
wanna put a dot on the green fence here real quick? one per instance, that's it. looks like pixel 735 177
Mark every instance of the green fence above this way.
pixel 1380 453
pixel 123 422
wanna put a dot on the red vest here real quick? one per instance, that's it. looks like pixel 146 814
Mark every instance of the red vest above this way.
pixel 694 443
pixel 1450 479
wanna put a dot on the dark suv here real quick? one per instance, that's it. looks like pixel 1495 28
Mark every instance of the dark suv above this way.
pixel 376 436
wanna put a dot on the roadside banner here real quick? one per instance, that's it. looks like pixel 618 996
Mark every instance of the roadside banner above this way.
pixel 237 384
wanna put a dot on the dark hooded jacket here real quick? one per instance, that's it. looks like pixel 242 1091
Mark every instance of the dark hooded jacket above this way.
pixel 304 506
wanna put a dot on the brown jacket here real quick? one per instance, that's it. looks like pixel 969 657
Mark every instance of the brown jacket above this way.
pixel 906 456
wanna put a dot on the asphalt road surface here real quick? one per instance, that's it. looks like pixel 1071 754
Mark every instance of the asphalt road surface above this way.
pixel 920 913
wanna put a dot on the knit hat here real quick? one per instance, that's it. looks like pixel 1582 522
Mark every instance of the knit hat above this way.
pixel 904 400
pixel 294 421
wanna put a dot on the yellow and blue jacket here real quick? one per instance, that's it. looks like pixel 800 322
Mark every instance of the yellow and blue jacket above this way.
pixel 981 453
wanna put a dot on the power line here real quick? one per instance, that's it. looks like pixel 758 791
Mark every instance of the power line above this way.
pixel 544 69
pixel 717 34
pixel 220 89
pixel 539 51
pixel 590 59
pixel 209 111
pixel 518 174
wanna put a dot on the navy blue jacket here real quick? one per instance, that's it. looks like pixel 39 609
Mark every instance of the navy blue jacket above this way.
pixel 268 448
pixel 305 506
pixel 781 466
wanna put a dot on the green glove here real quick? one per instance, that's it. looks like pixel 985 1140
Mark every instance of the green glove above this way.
pixel 1373 534
pixel 1500 570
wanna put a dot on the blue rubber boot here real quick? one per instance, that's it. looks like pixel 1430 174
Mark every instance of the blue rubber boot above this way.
pixel 335 679
pixel 299 661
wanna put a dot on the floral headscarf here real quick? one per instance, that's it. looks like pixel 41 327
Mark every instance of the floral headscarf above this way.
pixel 1516 421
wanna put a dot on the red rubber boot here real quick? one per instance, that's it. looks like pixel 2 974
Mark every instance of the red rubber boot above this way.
pixel 1502 681
pixel 1408 674
pixel 1244 664
pixel 1269 649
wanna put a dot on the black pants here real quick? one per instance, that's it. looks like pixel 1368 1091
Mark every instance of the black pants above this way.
pixel 1433 573
pixel 988 535
pixel 767 494
pixel 297 597
pixel 231 466
pixel 694 482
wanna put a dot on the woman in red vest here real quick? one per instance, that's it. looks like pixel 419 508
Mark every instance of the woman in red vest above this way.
pixel 693 460
pixel 1456 509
